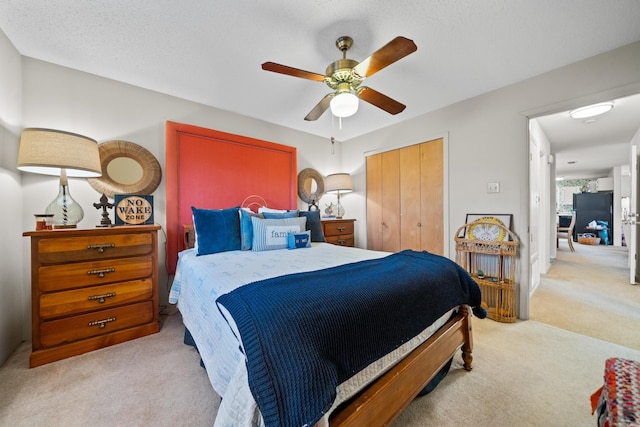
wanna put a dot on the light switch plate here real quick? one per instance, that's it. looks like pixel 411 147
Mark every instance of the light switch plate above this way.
pixel 493 187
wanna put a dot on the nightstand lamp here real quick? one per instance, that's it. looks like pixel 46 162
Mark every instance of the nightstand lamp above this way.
pixel 339 183
pixel 59 153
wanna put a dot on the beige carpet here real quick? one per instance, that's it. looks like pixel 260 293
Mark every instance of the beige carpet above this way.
pixel 154 380
pixel 588 292
pixel 525 374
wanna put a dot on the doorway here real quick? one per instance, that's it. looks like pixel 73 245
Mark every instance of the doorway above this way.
pixel 571 154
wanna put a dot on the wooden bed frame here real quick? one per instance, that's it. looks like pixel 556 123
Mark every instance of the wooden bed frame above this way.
pixel 383 400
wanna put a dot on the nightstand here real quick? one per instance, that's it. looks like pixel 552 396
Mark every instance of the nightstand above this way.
pixel 339 231
pixel 91 288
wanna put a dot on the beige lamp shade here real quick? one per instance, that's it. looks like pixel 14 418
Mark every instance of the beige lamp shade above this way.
pixel 47 151
pixel 339 183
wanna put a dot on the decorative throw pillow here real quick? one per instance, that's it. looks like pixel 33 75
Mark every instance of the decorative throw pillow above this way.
pixel 246 228
pixel 263 209
pixel 314 225
pixel 280 215
pixel 270 234
pixel 299 240
pixel 217 230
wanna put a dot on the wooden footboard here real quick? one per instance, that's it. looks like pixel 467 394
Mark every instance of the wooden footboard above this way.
pixel 382 401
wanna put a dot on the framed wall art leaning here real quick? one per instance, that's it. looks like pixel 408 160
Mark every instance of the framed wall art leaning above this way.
pixel 484 230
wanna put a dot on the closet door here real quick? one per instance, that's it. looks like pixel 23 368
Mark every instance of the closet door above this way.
pixel 374 202
pixel 432 196
pixel 391 201
pixel 410 198
pixel 405 199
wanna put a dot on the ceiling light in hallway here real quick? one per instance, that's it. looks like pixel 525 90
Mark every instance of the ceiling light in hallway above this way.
pixel 591 110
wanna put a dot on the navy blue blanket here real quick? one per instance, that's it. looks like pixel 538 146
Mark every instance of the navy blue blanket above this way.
pixel 303 334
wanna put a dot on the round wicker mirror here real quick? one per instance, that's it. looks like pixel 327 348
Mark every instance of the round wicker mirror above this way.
pixel 310 185
pixel 127 168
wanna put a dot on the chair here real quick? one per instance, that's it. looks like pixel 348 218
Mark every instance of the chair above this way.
pixel 566 233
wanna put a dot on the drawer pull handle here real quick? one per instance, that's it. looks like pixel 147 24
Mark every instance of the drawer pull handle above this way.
pixel 342 242
pixel 101 247
pixel 101 298
pixel 102 322
pixel 341 229
pixel 102 272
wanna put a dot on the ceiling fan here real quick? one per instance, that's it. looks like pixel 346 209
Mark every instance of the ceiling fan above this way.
pixel 345 76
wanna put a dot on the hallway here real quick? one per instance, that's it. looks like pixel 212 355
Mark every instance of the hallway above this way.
pixel 588 292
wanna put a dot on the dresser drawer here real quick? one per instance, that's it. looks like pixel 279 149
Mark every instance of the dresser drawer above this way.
pixel 340 240
pixel 81 274
pixel 338 228
pixel 91 288
pixel 56 332
pixel 85 248
pixel 82 300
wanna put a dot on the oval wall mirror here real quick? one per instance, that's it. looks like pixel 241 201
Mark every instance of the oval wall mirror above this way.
pixel 310 185
pixel 127 168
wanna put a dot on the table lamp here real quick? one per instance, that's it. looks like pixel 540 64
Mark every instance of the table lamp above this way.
pixel 339 183
pixel 60 153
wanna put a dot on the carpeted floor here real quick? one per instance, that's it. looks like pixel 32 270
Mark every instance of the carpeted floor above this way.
pixel 154 380
pixel 525 374
pixel 588 292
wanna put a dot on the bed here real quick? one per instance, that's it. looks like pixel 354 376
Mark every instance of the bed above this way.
pixel 376 394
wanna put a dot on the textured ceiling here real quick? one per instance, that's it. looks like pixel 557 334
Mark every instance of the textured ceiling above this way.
pixel 211 51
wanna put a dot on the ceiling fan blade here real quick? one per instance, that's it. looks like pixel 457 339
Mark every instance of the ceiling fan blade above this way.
pixel 381 101
pixel 290 71
pixel 393 51
pixel 320 108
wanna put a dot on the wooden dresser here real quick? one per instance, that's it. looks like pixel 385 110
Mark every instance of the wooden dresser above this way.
pixel 92 288
pixel 339 231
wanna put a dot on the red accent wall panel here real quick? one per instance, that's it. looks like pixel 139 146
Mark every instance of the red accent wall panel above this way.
pixel 209 169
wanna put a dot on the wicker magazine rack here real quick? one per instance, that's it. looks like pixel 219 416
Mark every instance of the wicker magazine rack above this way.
pixel 492 264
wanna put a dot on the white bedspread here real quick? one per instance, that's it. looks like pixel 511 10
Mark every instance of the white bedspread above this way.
pixel 198 282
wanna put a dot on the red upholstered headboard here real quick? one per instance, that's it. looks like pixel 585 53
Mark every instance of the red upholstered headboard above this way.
pixel 209 169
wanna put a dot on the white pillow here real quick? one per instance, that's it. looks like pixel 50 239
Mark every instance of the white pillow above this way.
pixel 270 234
pixel 263 209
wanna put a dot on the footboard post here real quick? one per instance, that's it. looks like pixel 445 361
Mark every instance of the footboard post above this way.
pixel 467 347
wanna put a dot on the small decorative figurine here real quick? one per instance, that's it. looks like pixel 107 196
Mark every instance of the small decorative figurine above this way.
pixel 329 209
pixel 104 205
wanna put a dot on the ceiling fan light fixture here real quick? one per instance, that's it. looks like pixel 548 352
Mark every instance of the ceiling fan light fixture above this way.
pixel 591 110
pixel 344 104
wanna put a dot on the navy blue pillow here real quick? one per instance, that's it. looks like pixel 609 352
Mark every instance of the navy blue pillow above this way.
pixel 217 230
pixel 314 225
pixel 298 240
pixel 246 228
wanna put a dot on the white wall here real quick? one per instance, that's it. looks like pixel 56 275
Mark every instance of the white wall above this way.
pixel 14 290
pixel 488 140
